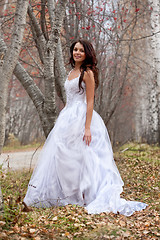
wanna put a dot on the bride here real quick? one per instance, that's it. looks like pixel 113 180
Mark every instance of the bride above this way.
pixel 76 165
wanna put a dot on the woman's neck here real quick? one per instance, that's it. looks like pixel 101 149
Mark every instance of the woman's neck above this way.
pixel 77 66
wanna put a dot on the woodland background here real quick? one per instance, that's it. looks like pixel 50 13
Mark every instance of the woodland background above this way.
pixel 126 37
pixel 35 37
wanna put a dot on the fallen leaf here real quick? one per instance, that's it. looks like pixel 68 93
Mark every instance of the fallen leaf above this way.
pixel 55 218
pixel 2 223
pixel 3 235
pixel 126 234
pixel 32 230
pixel 37 238
pixel 145 232
pixel 147 224
pixel 67 234
pixel 122 223
pixel 16 229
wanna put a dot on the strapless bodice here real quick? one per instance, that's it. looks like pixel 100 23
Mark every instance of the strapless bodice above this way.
pixel 72 91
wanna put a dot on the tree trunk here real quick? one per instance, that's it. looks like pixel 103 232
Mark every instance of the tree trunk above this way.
pixel 9 60
pixel 56 19
pixel 1 200
pixel 47 50
pixel 44 103
pixel 154 106
pixel 60 72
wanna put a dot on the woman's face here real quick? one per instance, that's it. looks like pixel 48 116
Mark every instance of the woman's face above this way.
pixel 78 53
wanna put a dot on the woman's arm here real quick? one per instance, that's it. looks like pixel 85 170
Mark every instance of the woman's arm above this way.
pixel 90 85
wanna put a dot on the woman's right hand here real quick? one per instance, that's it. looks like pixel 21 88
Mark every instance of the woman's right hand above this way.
pixel 87 136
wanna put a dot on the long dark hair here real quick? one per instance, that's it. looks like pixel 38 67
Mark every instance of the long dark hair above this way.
pixel 90 61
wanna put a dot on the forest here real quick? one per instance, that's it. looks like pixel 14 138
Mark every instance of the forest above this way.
pixel 125 35
pixel 35 38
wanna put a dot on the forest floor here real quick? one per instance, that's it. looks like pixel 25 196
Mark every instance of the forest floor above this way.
pixel 139 167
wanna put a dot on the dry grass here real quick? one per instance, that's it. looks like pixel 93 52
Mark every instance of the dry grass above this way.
pixel 139 168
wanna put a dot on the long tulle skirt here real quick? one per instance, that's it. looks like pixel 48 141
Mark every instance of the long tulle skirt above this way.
pixel 70 172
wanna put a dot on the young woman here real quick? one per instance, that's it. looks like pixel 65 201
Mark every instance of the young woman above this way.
pixel 76 165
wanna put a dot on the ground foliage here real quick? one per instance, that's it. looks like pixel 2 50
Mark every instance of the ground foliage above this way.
pixel 139 168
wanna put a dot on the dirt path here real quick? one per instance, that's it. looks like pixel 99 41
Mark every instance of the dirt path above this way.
pixel 19 160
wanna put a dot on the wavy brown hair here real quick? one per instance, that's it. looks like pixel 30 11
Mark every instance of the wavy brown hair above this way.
pixel 90 61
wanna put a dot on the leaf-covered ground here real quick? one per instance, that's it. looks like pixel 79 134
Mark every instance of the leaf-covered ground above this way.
pixel 139 168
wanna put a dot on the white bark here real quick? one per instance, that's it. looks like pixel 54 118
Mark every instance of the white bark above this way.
pixel 59 62
pixel 60 71
pixel 44 103
pixel 39 37
pixel 5 5
pixel 154 121
pixel 8 62
pixel 49 57
pixel 51 9
pixel 141 114
pixel 1 200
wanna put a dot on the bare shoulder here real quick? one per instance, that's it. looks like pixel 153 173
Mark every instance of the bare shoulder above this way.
pixel 88 76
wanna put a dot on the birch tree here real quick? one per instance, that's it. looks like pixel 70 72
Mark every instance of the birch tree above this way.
pixel 113 27
pixel 113 31
pixel 9 60
pixel 1 200
pixel 49 49
pixel 154 106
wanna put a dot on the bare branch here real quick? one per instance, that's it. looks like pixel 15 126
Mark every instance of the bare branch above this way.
pixel 51 9
pixel 39 34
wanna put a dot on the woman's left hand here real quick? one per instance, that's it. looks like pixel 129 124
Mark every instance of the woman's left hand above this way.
pixel 87 136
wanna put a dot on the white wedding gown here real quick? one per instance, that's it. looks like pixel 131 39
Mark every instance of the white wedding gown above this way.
pixel 70 172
